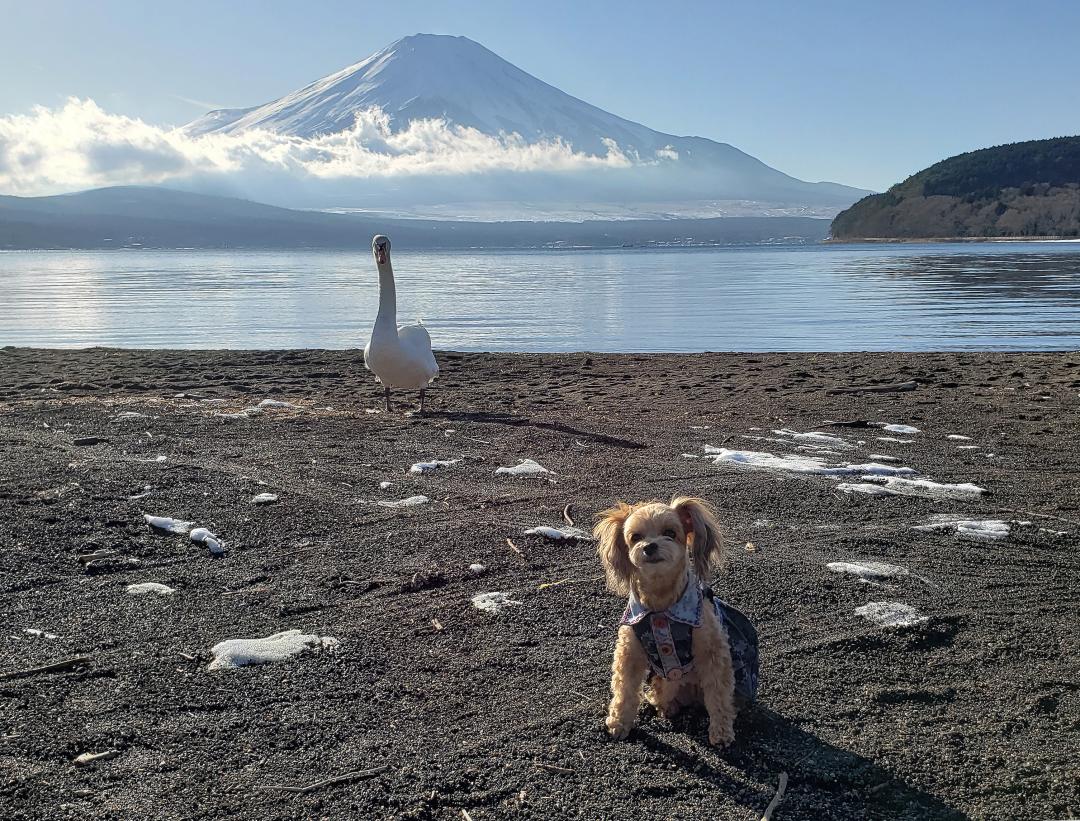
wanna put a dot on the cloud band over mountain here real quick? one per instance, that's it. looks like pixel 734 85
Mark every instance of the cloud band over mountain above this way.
pixel 79 145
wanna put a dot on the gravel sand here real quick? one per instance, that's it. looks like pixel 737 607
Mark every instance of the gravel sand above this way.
pixel 398 697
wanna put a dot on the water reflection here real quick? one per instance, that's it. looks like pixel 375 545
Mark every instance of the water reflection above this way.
pixel 986 296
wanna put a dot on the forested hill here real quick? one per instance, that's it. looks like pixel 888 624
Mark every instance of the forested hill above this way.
pixel 1029 189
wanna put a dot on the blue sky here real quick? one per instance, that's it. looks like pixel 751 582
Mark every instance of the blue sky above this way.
pixel 862 93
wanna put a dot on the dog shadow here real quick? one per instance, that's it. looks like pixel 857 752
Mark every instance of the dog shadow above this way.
pixel 524 422
pixel 824 781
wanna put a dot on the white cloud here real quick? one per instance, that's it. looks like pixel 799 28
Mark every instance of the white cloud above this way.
pixel 79 145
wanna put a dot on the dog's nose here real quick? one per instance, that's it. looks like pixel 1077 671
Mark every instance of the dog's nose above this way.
pixel 650 549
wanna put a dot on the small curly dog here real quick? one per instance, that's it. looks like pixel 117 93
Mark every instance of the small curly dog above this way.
pixel 660 556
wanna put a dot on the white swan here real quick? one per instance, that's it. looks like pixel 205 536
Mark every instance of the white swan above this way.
pixel 399 357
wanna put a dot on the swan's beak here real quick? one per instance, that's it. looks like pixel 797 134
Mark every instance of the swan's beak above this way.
pixel 380 255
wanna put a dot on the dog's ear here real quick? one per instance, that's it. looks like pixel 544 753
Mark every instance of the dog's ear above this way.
pixel 611 547
pixel 699 519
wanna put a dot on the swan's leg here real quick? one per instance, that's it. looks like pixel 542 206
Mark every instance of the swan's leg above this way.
pixel 386 396
pixel 421 400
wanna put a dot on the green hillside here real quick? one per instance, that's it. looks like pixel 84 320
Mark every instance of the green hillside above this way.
pixel 1029 189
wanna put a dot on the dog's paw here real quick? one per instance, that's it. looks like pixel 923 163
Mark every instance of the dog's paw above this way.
pixel 720 736
pixel 617 729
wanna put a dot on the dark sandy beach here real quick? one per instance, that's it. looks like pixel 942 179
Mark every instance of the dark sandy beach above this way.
pixel 974 712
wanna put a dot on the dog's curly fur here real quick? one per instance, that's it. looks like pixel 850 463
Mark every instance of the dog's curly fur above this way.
pixel 677 535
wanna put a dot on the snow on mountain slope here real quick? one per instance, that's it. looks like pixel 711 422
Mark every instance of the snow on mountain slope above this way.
pixel 429 76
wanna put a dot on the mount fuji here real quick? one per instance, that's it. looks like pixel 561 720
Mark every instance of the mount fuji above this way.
pixel 461 83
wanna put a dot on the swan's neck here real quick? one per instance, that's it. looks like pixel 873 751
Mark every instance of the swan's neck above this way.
pixel 387 316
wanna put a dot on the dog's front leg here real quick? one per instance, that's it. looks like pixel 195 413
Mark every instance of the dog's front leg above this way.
pixel 712 654
pixel 628 669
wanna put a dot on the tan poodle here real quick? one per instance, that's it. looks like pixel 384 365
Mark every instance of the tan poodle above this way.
pixel 659 555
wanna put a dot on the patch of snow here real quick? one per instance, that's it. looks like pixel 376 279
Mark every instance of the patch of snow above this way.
pixel 815 437
pixel 958 437
pixel 247 413
pixel 424 467
pixel 149 587
pixel 276 403
pixel 967 447
pixel 984 530
pixel 559 533
pixel 412 501
pixel 894 439
pixel 905 429
pixel 477 569
pixel 203 536
pixel 869 571
pixel 384 485
pixel 493 602
pixel 161 458
pixel 121 417
pixel 862 487
pixel 264 499
pixel 33 631
pixel 233 653
pixel 527 467
pixel 881 457
pixel 167 525
pixel 799 464
pixel 890 614
pixel 927 488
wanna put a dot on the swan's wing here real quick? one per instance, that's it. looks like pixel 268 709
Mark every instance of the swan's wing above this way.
pixel 415 337
pixel 417 341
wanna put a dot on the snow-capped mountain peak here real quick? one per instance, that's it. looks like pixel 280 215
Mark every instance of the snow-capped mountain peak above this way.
pixel 432 76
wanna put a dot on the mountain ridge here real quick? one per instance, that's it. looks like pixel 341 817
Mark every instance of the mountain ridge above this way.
pixel 1025 189
pixel 149 217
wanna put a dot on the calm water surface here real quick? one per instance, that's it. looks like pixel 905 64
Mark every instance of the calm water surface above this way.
pixel 820 298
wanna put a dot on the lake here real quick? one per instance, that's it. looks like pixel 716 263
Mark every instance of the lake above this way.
pixel 985 296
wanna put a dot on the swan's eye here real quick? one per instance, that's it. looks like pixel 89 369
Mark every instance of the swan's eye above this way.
pixel 670 533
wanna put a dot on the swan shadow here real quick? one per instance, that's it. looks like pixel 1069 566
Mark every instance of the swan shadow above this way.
pixel 825 781
pixel 524 422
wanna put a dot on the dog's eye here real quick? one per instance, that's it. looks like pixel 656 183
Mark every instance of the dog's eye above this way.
pixel 635 537
pixel 669 533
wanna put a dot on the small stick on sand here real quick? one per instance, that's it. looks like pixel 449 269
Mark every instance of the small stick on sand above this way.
pixel 781 787
pixel 552 767
pixel 851 423
pixel 515 548
pixel 465 815
pixel 187 656
pixel 566 515
pixel 90 758
pixel 1041 515
pixel 86 558
pixel 437 625
pixel 56 667
pixel 337 779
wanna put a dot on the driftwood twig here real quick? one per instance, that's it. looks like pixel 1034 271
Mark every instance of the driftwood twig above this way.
pixel 90 758
pixel 566 516
pixel 328 782
pixel 55 667
pixel 515 548
pixel 780 789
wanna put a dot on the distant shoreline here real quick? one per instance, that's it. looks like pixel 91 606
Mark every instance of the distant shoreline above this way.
pixel 925 240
